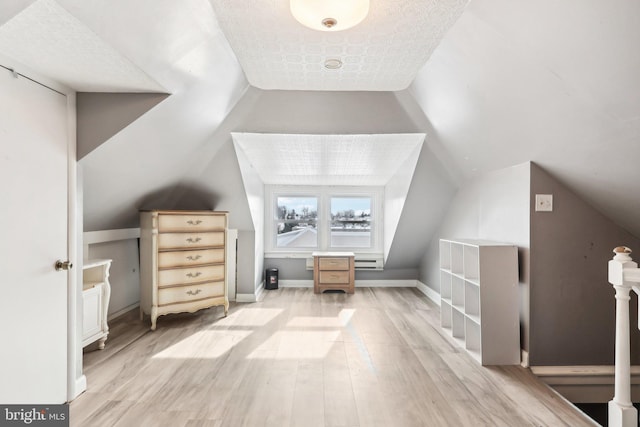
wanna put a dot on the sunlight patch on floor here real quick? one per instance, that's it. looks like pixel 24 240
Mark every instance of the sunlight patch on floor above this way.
pixel 296 345
pixel 248 317
pixel 342 320
pixel 204 345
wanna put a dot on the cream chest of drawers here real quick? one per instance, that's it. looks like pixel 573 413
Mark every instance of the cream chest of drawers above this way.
pixel 182 262
pixel 333 271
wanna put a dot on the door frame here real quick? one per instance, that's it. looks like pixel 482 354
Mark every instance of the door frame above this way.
pixel 76 380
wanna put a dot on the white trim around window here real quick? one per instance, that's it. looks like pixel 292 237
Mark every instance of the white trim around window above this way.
pixel 318 228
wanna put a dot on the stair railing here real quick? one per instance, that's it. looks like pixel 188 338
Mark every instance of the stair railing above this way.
pixel 624 275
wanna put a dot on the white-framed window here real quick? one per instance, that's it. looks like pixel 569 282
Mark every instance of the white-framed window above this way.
pixel 296 222
pixel 300 220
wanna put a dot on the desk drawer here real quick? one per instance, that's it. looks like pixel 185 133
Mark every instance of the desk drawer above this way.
pixel 190 223
pixel 334 277
pixel 333 263
pixel 190 293
pixel 187 258
pixel 179 276
pixel 190 240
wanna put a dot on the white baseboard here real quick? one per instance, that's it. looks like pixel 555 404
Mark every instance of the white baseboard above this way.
pixel 524 358
pixel 586 384
pixel 359 284
pixel 295 283
pixel 246 298
pixel 125 310
pixel 254 297
pixel 386 283
pixel 79 387
pixel 430 293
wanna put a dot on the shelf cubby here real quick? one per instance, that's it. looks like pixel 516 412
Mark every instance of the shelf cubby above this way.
pixel 471 262
pixel 457 266
pixel 457 324
pixel 471 299
pixel 445 311
pixel 457 293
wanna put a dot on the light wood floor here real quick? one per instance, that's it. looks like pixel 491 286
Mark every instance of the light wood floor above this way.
pixel 375 358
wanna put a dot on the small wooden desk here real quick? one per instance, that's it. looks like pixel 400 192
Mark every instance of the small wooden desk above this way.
pixel 333 271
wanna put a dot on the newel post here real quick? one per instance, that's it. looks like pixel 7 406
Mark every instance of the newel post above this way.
pixel 622 413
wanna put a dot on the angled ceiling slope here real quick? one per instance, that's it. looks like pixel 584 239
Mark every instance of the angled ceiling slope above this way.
pixel 382 53
pixel 48 39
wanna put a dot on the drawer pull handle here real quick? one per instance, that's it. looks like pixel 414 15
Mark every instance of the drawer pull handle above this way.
pixel 196 292
pixel 192 222
pixel 194 274
pixel 194 257
pixel 194 240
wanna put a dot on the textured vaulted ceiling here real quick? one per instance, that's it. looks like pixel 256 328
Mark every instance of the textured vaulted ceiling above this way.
pixel 382 53
pixel 327 159
pixel 51 41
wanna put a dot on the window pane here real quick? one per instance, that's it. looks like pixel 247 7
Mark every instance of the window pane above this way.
pixel 302 208
pixel 351 222
pixel 297 234
pixel 296 227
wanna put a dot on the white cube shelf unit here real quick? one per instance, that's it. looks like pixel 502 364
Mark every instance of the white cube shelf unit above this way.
pixel 479 298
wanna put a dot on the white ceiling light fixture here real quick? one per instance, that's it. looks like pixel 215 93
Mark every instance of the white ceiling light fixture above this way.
pixel 332 64
pixel 329 15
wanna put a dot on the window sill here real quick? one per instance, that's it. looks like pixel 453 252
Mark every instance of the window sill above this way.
pixel 300 255
pixel 304 255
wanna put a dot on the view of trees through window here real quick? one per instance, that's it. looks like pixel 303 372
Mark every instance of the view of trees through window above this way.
pixel 297 222
pixel 351 222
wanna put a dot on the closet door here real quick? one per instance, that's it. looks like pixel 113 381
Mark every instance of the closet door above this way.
pixel 33 213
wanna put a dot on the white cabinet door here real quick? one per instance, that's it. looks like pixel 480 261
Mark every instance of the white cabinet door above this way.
pixel 33 216
pixel 91 312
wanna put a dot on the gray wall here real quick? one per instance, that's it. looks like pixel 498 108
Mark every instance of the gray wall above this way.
pixel 494 206
pixel 572 303
pixel 102 115
pixel 317 112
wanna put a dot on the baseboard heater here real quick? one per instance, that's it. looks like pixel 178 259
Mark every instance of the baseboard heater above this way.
pixel 362 262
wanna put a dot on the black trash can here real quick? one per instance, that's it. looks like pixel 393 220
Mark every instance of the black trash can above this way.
pixel 271 279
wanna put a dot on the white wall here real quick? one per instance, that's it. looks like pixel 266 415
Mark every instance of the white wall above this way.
pixel 395 194
pixel 554 82
pixel 124 273
pixel 427 200
pixel 494 206
pixel 254 191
